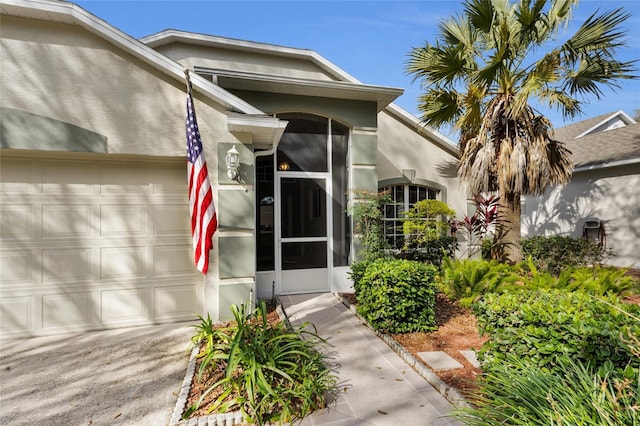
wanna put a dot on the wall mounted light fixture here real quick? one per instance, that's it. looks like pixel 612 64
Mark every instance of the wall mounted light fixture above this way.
pixel 283 166
pixel 233 162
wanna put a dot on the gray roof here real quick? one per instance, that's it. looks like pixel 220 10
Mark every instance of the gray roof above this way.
pixel 600 147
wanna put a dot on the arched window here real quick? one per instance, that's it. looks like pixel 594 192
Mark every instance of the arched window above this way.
pixel 403 198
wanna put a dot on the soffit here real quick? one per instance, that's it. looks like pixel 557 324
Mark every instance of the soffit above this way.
pixel 266 130
pixel 235 80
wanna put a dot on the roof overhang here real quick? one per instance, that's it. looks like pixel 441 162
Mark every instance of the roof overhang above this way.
pixel 236 80
pixel 598 166
pixel 265 130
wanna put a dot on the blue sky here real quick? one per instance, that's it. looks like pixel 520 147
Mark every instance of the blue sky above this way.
pixel 368 39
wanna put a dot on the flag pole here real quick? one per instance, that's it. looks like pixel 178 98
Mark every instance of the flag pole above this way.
pixel 204 220
pixel 188 79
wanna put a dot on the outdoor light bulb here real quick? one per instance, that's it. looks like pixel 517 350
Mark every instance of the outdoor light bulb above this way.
pixel 284 166
pixel 232 159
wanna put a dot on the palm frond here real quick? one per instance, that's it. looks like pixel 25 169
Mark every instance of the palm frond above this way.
pixel 560 13
pixel 593 73
pixel 570 107
pixel 439 107
pixel 480 14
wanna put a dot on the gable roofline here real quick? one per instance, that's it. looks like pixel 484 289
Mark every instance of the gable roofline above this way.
pixel 70 13
pixel 620 113
pixel 173 36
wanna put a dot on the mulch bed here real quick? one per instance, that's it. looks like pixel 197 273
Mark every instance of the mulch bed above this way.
pixel 199 385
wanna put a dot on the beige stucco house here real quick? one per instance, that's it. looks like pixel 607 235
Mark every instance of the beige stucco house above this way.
pixel 602 200
pixel 93 199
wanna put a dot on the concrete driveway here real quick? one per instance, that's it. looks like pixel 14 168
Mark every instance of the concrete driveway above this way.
pixel 115 377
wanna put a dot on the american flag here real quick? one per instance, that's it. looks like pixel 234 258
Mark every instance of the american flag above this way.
pixel 203 214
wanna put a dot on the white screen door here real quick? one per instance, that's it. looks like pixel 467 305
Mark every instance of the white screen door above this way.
pixel 303 236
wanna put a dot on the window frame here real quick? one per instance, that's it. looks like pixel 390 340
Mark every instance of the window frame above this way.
pixel 396 239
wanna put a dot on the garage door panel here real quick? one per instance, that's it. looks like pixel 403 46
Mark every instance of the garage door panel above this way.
pixel 170 180
pixel 94 244
pixel 177 302
pixel 61 178
pixel 16 268
pixel 123 262
pixel 67 266
pixel 18 177
pixel 171 220
pixel 118 179
pixel 118 220
pixel 124 305
pixel 16 221
pixel 68 309
pixel 16 314
pixel 172 261
pixel 67 221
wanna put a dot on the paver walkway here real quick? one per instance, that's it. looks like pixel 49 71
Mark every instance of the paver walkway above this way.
pixel 376 386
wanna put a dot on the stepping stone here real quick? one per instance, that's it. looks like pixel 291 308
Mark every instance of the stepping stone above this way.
pixel 471 357
pixel 439 360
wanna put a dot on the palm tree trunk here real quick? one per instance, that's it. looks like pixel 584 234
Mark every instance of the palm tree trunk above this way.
pixel 507 246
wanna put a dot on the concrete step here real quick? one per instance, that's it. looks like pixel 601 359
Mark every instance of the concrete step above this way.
pixel 440 360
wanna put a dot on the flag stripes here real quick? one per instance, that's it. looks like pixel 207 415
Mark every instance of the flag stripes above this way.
pixel 203 215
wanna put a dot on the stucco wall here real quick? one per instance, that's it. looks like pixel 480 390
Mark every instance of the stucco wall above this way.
pixel 611 194
pixel 238 60
pixel 400 147
pixel 63 72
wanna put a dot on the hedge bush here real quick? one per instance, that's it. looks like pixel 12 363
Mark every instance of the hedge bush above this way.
pixel 430 251
pixel 555 253
pixel 545 326
pixel 397 296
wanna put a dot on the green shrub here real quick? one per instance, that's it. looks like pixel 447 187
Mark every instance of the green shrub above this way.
pixel 545 326
pixel 519 393
pixel 597 280
pixel 601 280
pixel 397 296
pixel 272 374
pixel 430 251
pixel 553 254
pixel 426 220
pixel 357 272
pixel 369 220
pixel 485 246
pixel 465 280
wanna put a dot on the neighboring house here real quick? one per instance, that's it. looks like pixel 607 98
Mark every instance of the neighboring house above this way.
pixel 602 200
pixel 94 210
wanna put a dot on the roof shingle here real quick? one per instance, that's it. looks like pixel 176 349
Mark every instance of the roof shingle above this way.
pixel 622 143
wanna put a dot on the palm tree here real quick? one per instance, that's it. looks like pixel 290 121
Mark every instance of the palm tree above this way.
pixel 480 75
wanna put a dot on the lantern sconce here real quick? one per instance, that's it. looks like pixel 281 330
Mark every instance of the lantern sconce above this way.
pixel 233 162
pixel 283 166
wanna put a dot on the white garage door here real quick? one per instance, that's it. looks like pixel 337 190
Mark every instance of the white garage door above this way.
pixel 90 244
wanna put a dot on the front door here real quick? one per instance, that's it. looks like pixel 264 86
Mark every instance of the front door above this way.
pixel 303 234
pixel 303 231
